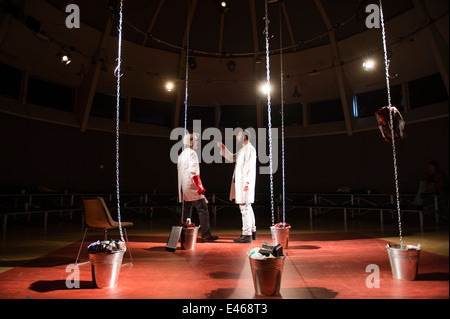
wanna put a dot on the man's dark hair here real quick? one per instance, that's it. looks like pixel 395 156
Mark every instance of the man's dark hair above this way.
pixel 247 134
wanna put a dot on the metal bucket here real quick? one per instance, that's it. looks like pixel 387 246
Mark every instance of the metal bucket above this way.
pixel 404 261
pixel 189 237
pixel 105 268
pixel 280 236
pixel 267 274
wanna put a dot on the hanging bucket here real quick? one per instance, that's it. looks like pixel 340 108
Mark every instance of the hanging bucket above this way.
pixel 404 261
pixel 280 235
pixel 105 268
pixel 267 274
pixel 189 237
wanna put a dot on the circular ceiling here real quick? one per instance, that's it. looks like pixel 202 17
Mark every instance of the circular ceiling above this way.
pixel 325 42
pixel 238 31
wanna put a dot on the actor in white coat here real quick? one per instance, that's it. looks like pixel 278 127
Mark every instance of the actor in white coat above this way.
pixel 243 183
pixel 190 187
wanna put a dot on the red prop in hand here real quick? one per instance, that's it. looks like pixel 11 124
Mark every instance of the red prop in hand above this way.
pixel 198 182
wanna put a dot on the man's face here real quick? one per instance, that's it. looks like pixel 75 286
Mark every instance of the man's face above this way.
pixel 240 137
pixel 195 144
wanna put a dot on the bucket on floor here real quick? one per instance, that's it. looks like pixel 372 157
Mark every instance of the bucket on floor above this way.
pixel 189 237
pixel 280 236
pixel 404 261
pixel 267 274
pixel 105 267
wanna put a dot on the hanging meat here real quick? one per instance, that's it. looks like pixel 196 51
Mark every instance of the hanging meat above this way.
pixel 384 124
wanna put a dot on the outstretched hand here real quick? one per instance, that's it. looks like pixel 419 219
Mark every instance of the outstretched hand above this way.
pixel 219 144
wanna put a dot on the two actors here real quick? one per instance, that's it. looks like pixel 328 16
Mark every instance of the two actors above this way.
pixel 242 184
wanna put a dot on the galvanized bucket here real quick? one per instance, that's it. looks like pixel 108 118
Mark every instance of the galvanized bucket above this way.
pixel 267 274
pixel 105 268
pixel 189 237
pixel 404 261
pixel 280 236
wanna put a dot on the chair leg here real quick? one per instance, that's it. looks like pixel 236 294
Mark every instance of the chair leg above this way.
pixel 82 241
pixel 128 248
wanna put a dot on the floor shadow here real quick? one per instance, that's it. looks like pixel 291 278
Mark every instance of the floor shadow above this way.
pixel 53 285
pixel 45 261
pixel 326 237
pixel 225 275
pixel 227 293
pixel 149 239
pixel 306 247
pixel 309 293
pixel 157 249
pixel 285 293
pixel 221 293
pixel 434 276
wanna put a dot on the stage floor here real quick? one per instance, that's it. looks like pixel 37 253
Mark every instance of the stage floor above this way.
pixel 326 259
pixel 320 265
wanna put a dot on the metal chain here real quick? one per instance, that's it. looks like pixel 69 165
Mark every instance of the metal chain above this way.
pixel 269 117
pixel 391 121
pixel 118 74
pixel 186 83
pixel 283 177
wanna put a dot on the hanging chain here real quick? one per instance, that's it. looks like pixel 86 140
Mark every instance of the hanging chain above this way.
pixel 269 117
pixel 282 118
pixel 391 121
pixel 118 74
pixel 186 83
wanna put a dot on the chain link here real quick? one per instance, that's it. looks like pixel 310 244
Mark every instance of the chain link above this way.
pixel 283 176
pixel 118 74
pixel 269 111
pixel 391 121
pixel 186 86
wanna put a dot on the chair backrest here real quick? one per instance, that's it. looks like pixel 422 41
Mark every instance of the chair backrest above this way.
pixel 96 213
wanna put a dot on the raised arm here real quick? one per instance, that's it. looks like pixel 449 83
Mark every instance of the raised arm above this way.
pixel 226 153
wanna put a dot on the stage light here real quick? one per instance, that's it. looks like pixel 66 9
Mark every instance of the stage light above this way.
pixel 265 88
pixel 223 5
pixel 64 56
pixel 369 64
pixel 170 86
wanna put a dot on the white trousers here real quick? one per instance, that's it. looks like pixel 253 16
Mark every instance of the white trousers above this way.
pixel 248 219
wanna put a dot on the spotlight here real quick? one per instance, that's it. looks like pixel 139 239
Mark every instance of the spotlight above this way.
pixel 369 64
pixel 64 56
pixel 231 65
pixel 170 86
pixel 223 5
pixel 265 88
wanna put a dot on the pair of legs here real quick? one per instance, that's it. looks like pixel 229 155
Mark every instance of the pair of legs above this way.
pixel 203 215
pixel 248 219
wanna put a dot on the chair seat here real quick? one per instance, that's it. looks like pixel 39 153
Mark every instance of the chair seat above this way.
pixel 124 224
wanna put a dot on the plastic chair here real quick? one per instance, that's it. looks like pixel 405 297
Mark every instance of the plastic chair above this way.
pixel 97 216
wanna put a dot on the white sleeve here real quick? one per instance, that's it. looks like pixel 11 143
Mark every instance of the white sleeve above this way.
pixel 227 154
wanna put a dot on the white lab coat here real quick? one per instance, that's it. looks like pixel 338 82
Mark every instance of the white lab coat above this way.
pixel 188 167
pixel 244 174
